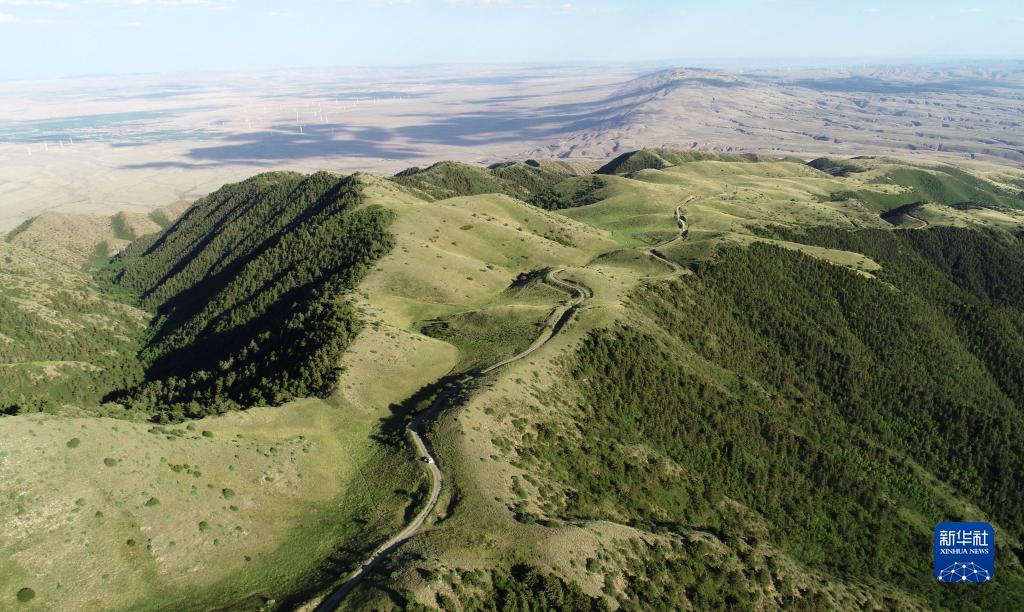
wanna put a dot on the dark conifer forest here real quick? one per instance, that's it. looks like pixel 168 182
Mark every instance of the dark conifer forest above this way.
pixel 817 397
pixel 249 292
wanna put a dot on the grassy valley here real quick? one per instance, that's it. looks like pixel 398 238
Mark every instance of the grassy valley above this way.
pixel 763 398
pixel 685 440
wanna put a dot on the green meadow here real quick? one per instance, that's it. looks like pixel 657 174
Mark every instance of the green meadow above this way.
pixel 207 413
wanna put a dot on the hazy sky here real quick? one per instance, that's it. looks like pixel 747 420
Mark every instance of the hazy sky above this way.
pixel 46 38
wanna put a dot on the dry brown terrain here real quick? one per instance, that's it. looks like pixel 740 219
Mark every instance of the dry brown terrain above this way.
pixel 955 115
pixel 135 143
pixel 105 145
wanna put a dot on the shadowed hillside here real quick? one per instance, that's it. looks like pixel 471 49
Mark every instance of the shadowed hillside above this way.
pixel 656 159
pixel 517 179
pixel 690 381
pixel 248 287
pixel 807 396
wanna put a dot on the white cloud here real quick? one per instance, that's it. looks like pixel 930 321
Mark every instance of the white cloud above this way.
pixel 8 18
pixel 509 3
pixel 51 4
pixel 160 3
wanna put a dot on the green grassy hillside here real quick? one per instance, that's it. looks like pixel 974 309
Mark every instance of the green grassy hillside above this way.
pixel 570 193
pixel 235 510
pixel 62 341
pixel 248 287
pixel 517 179
pixel 658 159
pixel 768 397
pixel 835 167
pixel 534 176
pixel 65 342
pixel 453 179
pixel 486 336
pixel 711 439
pixel 942 185
pixel 823 403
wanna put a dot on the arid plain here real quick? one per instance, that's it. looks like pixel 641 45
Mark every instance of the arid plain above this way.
pixel 135 143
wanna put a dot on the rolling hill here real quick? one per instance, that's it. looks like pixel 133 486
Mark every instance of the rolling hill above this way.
pixel 517 179
pixel 729 382
pixel 246 290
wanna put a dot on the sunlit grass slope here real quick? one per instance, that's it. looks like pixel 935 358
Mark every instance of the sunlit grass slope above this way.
pixel 63 341
pixel 535 481
pixel 587 471
pixel 462 253
pixel 104 513
pixel 115 513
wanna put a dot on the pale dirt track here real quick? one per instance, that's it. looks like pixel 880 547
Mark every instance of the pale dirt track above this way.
pixel 416 431
pixel 924 223
pixel 684 231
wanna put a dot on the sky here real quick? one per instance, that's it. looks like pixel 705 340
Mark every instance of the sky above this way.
pixel 57 38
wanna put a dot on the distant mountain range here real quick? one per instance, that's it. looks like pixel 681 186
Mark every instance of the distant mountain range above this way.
pixel 965 113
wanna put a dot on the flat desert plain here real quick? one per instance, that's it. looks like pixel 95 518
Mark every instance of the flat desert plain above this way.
pixel 134 143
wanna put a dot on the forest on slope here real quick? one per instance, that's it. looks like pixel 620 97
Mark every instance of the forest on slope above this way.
pixel 247 292
pixel 62 339
pixel 829 405
pixel 779 422
pixel 783 415
pixel 65 338
pixel 248 288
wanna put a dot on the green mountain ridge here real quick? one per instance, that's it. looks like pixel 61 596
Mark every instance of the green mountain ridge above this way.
pixel 517 179
pixel 943 185
pixel 659 158
pixel 248 289
pixel 760 389
pixel 825 389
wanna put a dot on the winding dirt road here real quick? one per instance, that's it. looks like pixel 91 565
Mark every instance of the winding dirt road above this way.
pixel 924 223
pixel 416 431
pixel 684 232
